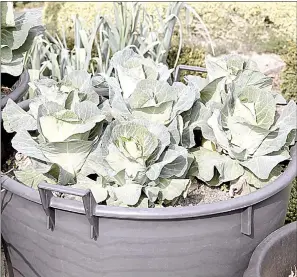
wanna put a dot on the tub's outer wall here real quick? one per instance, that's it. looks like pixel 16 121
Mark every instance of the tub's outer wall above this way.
pixel 209 246
pixel 276 255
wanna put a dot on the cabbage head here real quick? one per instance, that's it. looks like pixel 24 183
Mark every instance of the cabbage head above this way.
pixel 153 100
pixel 138 165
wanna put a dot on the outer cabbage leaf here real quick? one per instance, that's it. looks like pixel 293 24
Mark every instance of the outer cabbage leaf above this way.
pixel 132 68
pixel 215 168
pixel 227 66
pixel 263 165
pixel 196 119
pixel 16 119
pixel 99 190
pixel 173 163
pixel 284 125
pixel 259 183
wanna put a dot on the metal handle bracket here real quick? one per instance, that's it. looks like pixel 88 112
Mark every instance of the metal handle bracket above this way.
pixel 181 67
pixel 247 221
pixel 89 202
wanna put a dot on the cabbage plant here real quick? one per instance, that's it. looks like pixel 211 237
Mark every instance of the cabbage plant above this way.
pixel 59 131
pixel 150 96
pixel 247 135
pixel 75 87
pixel 136 164
pixel 211 92
pixel 17 35
pixel 222 71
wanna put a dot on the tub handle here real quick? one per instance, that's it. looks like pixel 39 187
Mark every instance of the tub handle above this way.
pixel 247 221
pixel 46 193
pixel 181 67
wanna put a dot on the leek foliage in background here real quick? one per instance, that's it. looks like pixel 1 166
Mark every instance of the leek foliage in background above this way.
pixel 132 26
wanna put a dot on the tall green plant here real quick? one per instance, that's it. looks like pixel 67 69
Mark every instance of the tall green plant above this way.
pixel 132 27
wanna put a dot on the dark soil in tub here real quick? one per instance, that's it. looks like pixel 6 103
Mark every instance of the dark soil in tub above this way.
pixel 199 193
pixel 9 165
pixel 5 90
pixel 8 83
pixel 6 147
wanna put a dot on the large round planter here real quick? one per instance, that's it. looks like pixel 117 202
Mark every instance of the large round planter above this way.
pixel 85 239
pixel 18 89
pixel 276 255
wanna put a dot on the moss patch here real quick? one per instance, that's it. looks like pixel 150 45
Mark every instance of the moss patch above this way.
pixel 289 75
pixel 188 56
pixel 27 5
pixel 292 208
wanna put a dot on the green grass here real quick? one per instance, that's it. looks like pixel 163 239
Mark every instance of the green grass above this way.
pixel 292 208
pixel 289 75
pixel 289 90
pixel 27 5
pixel 188 56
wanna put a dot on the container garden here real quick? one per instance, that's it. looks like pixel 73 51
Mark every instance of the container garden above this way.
pixel 276 255
pixel 85 238
pixel 48 233
pixel 211 240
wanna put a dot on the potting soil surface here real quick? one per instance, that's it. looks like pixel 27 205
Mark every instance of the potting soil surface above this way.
pixel 200 193
pixel 5 91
